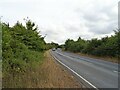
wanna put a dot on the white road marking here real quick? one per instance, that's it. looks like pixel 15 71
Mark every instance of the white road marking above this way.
pixel 64 55
pixel 84 62
pixel 75 72
pixel 116 71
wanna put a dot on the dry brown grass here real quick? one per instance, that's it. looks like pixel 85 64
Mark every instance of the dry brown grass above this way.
pixel 49 74
pixel 56 77
pixel 110 59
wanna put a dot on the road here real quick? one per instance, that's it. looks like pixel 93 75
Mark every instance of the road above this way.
pixel 96 73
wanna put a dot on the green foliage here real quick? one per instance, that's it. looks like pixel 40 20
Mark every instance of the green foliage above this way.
pixel 21 46
pixel 52 45
pixel 75 46
pixel 117 35
pixel 107 46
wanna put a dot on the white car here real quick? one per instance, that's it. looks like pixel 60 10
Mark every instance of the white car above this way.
pixel 53 49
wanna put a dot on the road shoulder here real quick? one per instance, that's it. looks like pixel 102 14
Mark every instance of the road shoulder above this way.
pixel 57 77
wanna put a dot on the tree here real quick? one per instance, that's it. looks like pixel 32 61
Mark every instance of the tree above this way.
pixel 106 46
pixel 20 43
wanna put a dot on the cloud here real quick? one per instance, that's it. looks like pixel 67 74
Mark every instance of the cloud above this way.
pixel 63 19
pixel 100 18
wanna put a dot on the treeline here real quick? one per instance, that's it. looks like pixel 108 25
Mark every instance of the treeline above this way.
pixel 22 46
pixel 107 46
pixel 52 45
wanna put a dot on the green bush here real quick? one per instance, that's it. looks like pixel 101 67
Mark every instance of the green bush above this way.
pixel 22 47
pixel 107 46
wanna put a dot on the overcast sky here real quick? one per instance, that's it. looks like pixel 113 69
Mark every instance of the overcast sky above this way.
pixel 63 19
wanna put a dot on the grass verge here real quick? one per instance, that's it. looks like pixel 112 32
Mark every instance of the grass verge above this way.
pixel 110 59
pixel 25 75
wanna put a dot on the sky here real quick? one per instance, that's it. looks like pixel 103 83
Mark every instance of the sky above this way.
pixel 60 20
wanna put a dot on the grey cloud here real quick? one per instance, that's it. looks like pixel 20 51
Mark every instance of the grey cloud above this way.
pixel 100 25
pixel 106 29
pixel 72 28
pixel 64 19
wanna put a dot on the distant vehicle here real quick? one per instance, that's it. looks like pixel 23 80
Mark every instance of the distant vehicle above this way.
pixel 53 49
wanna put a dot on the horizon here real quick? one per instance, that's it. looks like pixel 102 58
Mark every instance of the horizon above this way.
pixel 64 19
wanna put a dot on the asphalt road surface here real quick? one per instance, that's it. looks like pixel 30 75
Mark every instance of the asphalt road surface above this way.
pixel 96 73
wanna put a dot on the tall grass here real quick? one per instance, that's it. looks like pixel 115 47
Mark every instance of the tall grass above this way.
pixel 22 51
pixel 18 76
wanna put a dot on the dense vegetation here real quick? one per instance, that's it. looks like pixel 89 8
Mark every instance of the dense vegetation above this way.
pixel 52 45
pixel 107 46
pixel 22 48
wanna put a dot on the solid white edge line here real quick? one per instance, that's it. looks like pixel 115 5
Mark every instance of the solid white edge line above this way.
pixel 64 55
pixel 75 72
pixel 116 71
